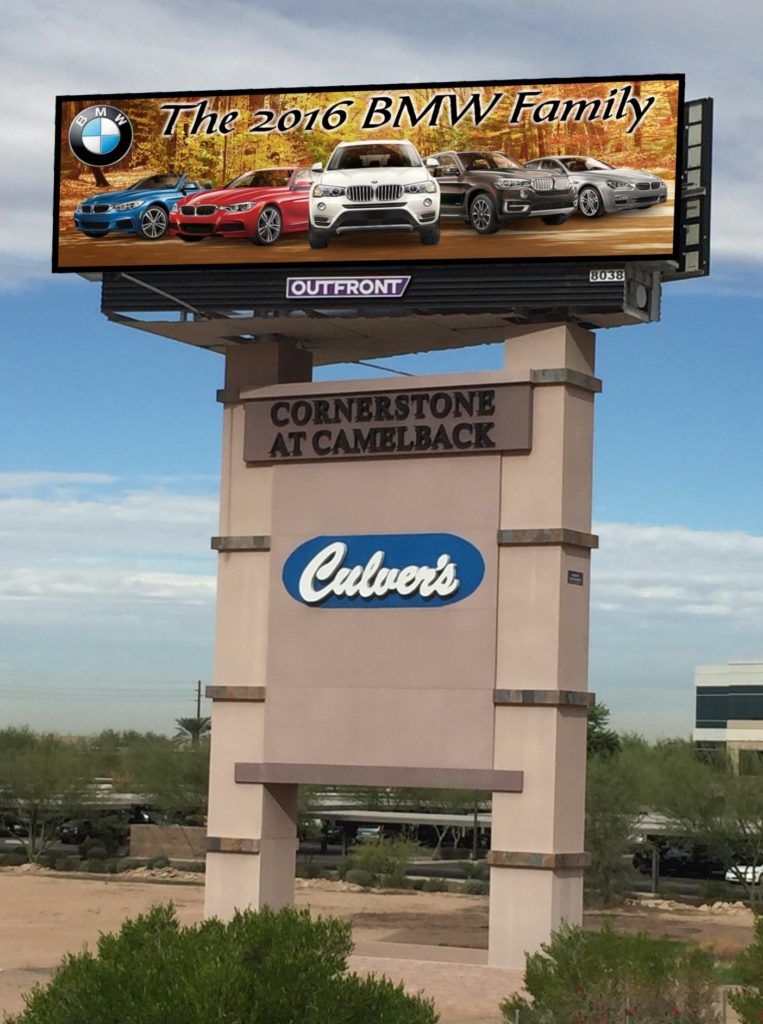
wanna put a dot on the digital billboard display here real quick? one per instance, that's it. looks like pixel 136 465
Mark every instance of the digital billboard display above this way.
pixel 491 171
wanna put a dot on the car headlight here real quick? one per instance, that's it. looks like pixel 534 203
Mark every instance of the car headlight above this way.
pixel 617 183
pixel 421 186
pixel 512 183
pixel 79 207
pixel 321 191
pixel 238 207
pixel 132 205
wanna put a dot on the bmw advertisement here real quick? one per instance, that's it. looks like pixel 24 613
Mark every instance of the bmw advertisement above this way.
pixel 496 171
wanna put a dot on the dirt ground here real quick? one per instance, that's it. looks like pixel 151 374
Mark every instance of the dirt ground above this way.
pixel 405 935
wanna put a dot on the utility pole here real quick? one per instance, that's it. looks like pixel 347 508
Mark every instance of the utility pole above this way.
pixel 198 699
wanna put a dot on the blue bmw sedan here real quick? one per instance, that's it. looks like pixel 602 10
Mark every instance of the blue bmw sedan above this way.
pixel 142 209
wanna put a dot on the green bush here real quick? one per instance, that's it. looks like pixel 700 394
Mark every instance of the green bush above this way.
pixel 436 885
pixel 418 884
pixel 197 866
pixel 307 869
pixel 474 887
pixel 158 862
pixel 46 859
pixel 93 851
pixel 129 863
pixel 748 965
pixel 12 860
pixel 601 976
pixel 95 867
pixel 66 864
pixel 278 968
pixel 478 869
pixel 386 859
pixel 359 877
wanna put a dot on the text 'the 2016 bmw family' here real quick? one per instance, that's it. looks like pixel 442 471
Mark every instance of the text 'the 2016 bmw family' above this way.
pixel 143 209
pixel 374 186
pixel 259 206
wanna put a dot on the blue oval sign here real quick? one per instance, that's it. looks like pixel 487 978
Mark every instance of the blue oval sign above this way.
pixel 394 570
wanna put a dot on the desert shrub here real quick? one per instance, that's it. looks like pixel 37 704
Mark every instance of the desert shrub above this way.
pixel 359 877
pixel 94 866
pixel 478 869
pixel 748 966
pixel 275 967
pixel 129 863
pixel 474 887
pixel 417 884
pixel 158 862
pixel 436 885
pixel 92 849
pixel 386 859
pixel 198 866
pixel 46 859
pixel 307 869
pixel 12 860
pixel 601 976
pixel 66 864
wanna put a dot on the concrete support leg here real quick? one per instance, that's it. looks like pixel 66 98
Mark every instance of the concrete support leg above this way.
pixel 251 829
pixel 537 858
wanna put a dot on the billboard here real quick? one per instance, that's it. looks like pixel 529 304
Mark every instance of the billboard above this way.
pixel 447 173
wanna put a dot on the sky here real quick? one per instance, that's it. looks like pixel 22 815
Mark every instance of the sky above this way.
pixel 110 439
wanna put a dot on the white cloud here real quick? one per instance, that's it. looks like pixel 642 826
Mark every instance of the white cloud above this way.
pixel 29 481
pixel 663 600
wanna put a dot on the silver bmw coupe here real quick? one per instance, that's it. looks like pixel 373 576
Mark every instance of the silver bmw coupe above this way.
pixel 602 188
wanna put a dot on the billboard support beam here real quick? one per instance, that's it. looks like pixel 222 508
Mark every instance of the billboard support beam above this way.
pixel 543 644
pixel 259 821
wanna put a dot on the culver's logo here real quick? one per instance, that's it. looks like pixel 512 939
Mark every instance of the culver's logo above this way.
pixel 418 570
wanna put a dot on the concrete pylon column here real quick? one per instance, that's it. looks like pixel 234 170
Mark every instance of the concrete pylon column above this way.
pixel 252 830
pixel 541 697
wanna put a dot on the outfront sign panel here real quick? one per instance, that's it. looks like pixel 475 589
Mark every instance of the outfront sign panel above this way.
pixel 423 570
pixel 551 170
pixel 385 424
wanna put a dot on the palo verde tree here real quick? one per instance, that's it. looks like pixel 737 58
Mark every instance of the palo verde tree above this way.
pixel 715 806
pixel 44 778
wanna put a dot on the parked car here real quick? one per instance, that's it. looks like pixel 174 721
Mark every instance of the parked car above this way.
pixel 374 186
pixel 369 833
pixel 487 189
pixel 751 874
pixel 602 188
pixel 259 206
pixel 142 209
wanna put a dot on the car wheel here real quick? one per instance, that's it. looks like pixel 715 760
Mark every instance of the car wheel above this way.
pixel 192 238
pixel 430 236
pixel 590 202
pixel 95 234
pixel 269 225
pixel 483 215
pixel 317 239
pixel 154 223
pixel 557 218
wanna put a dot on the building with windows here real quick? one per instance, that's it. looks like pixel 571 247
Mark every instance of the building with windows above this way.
pixel 729 708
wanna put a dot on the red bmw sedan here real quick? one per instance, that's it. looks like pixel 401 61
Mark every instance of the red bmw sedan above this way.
pixel 259 205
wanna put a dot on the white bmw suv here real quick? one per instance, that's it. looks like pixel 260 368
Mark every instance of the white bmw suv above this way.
pixel 374 186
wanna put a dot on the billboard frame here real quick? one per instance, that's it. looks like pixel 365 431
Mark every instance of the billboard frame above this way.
pixel 362 267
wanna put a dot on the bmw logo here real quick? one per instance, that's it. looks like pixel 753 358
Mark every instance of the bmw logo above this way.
pixel 100 136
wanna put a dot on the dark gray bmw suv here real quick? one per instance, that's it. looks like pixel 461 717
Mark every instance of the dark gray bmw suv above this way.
pixel 486 189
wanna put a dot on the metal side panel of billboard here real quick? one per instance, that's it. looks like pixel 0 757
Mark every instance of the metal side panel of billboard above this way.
pixel 555 170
